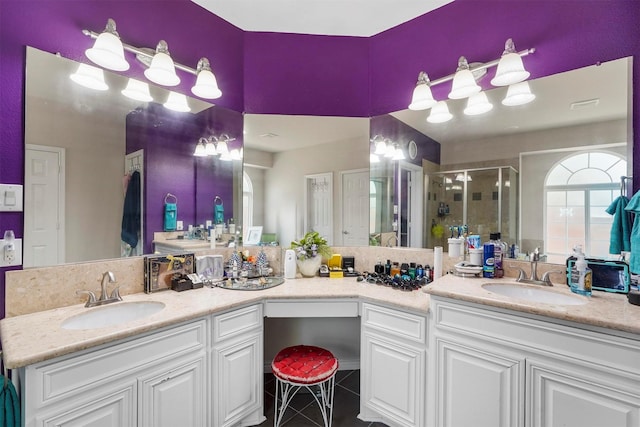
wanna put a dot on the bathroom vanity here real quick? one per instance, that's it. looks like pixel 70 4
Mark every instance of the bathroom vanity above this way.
pixel 461 356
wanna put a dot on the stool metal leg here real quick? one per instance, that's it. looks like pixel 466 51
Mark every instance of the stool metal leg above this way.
pixel 285 392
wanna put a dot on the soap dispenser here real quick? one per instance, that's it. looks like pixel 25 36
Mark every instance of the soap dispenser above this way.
pixel 581 274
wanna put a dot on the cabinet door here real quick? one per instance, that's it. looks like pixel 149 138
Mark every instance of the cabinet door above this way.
pixel 237 379
pixel 114 409
pixel 476 387
pixel 391 378
pixel 574 396
pixel 174 396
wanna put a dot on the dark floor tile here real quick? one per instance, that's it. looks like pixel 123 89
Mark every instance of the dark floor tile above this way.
pixel 299 420
pixel 346 407
pixel 351 382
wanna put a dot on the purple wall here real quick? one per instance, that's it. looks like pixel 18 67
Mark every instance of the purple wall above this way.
pixel 297 74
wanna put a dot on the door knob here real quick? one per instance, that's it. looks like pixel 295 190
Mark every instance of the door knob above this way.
pixel 345 232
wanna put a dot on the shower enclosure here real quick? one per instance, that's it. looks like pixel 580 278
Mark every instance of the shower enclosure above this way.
pixel 484 199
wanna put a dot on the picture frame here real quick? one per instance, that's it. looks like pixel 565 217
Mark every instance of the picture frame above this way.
pixel 253 236
pixel 159 270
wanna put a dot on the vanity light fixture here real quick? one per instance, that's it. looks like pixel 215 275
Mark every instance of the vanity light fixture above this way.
pixel 518 94
pixel 440 113
pixel 235 154
pixel 464 84
pixel 477 104
pixel 422 98
pixel 210 146
pixel 177 102
pixel 108 52
pixel 137 90
pixel 510 68
pixel 373 158
pixel 380 147
pixel 89 77
pixel 390 151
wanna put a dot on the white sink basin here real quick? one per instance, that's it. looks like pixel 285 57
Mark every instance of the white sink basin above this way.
pixel 533 294
pixel 110 315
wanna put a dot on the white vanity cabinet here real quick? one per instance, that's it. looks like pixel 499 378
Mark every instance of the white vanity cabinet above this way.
pixel 237 367
pixel 393 366
pixel 153 380
pixel 497 368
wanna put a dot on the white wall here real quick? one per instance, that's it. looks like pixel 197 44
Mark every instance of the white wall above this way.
pixel 284 184
pixel 95 153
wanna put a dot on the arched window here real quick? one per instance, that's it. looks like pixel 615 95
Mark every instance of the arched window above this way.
pixel 247 201
pixel 578 190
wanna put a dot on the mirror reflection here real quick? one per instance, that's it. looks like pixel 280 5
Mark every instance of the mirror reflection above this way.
pixel 484 160
pixel 82 147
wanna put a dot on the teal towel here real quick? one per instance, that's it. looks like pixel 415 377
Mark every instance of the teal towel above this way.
pixel 621 228
pixel 10 413
pixel 634 206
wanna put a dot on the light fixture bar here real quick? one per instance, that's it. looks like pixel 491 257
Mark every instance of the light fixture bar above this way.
pixel 148 53
pixel 480 67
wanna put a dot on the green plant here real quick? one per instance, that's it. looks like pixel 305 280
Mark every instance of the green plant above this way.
pixel 310 246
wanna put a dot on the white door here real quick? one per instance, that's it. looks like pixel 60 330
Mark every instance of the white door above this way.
pixel 44 206
pixel 355 208
pixel 319 205
pixel 410 202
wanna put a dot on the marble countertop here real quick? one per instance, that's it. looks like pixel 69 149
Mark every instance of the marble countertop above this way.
pixel 602 310
pixel 35 337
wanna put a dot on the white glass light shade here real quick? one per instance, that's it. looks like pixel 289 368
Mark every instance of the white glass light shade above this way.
pixel 510 70
pixel 373 158
pixel 200 149
pixel 137 90
pixel 422 98
pixel 390 149
pixel 518 94
pixel 107 51
pixel 210 147
pixel 464 85
pixel 89 77
pixel 440 113
pixel 206 84
pixel 381 148
pixel 478 104
pixel 398 154
pixel 177 102
pixel 222 149
pixel 162 70
pixel 235 154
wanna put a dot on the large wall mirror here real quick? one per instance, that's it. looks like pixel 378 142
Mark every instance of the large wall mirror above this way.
pixel 81 146
pixel 510 149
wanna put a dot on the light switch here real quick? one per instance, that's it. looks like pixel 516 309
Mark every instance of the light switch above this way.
pixel 10 198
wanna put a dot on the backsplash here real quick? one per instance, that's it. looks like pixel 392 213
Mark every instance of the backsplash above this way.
pixel 38 289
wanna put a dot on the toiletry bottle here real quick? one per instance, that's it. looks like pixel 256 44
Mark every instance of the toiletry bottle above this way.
pixel 498 272
pixel 395 269
pixel 581 278
pixel 488 268
pixel 419 271
pixel 412 270
pixel 387 268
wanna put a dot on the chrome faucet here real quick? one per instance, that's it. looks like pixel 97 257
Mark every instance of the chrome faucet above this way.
pixel 107 277
pixel 533 278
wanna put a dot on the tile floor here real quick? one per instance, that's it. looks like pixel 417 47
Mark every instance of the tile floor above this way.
pixel 304 411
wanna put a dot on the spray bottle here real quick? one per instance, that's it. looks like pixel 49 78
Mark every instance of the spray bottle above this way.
pixel 580 274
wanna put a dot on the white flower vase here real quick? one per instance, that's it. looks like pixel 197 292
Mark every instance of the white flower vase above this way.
pixel 309 267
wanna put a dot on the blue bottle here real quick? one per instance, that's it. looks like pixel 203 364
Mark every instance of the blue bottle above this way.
pixel 488 265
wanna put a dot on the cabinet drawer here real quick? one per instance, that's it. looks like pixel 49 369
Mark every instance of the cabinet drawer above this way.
pixel 313 308
pixel 394 322
pixel 236 322
pixel 74 375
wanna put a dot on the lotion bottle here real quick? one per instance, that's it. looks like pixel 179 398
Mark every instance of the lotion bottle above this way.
pixel 581 279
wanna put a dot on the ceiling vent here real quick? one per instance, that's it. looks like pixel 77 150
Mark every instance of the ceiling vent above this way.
pixel 268 135
pixel 581 105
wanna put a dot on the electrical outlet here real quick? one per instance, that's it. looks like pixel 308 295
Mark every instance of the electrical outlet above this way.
pixel 179 225
pixel 10 255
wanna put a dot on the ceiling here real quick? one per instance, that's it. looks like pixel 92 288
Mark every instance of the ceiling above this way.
pixel 360 18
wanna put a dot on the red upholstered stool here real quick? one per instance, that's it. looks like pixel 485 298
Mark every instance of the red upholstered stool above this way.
pixel 304 366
